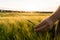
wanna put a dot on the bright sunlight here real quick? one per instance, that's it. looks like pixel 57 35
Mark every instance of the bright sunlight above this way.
pixel 29 5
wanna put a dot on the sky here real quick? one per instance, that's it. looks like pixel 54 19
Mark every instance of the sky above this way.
pixel 30 5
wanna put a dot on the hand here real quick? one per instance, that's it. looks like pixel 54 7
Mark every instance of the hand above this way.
pixel 44 26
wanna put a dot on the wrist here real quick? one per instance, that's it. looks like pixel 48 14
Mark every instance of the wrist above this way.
pixel 53 18
pixel 56 15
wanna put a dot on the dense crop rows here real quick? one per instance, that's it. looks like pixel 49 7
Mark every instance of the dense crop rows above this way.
pixel 22 28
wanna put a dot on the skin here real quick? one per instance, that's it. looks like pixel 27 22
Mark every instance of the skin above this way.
pixel 47 24
pixel 57 29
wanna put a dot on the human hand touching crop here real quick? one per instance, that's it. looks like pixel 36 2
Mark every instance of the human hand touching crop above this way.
pixel 47 24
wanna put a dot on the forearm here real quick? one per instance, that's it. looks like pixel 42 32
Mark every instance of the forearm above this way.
pixel 56 15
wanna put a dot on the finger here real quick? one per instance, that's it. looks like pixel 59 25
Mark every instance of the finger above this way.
pixel 45 28
pixel 40 25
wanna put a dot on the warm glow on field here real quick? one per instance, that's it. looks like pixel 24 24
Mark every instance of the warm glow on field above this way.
pixel 20 26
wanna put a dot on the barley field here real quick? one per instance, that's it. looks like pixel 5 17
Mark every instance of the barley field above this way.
pixel 20 26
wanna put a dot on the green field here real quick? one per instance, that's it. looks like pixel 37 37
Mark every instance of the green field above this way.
pixel 20 26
